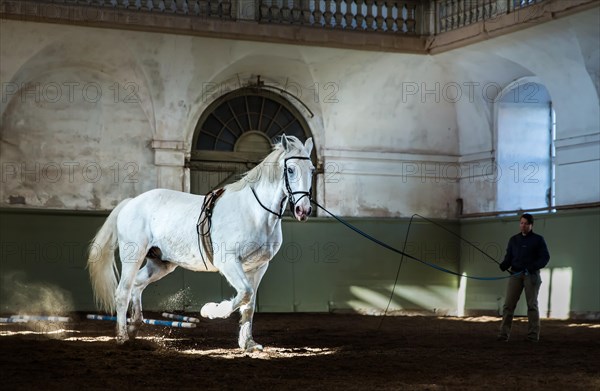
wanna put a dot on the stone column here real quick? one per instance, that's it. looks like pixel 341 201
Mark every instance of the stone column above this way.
pixel 169 159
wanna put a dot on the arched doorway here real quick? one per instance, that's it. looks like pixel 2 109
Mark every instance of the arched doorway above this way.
pixel 236 132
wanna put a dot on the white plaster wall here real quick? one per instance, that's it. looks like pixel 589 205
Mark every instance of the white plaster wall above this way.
pixel 563 56
pixel 391 131
pixel 76 123
pixel 356 98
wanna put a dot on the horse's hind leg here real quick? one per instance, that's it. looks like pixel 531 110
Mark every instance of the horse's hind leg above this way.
pixel 154 270
pixel 130 264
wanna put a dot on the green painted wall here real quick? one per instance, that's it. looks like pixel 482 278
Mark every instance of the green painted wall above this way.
pixel 322 266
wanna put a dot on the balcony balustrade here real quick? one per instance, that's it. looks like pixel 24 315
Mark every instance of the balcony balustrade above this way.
pixel 421 26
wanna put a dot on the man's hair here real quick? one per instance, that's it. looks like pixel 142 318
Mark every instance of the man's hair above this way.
pixel 527 217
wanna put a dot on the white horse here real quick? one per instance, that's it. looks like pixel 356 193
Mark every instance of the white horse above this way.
pixel 161 227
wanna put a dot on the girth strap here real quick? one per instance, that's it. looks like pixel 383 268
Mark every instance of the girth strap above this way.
pixel 204 225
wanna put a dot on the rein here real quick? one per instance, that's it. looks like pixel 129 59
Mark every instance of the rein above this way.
pixel 279 215
pixel 293 201
pixel 404 254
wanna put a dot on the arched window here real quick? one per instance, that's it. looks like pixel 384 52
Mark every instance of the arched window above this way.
pixel 525 134
pixel 236 132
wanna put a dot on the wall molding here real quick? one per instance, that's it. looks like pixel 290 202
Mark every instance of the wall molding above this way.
pixel 578 149
pixel 396 164
pixel 575 141
pixel 426 167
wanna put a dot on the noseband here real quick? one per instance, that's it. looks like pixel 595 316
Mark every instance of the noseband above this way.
pixel 290 193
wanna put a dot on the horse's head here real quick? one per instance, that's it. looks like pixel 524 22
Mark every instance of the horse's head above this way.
pixel 298 172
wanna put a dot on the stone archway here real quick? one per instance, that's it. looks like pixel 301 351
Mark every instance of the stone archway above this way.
pixel 236 132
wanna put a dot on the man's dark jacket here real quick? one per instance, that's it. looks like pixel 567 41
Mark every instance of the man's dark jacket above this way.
pixel 526 252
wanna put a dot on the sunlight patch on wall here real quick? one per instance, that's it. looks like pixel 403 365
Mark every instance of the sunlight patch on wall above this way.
pixel 544 295
pixel 462 296
pixel 560 292
pixel 554 299
pixel 428 297
pixel 368 298
pixel 436 298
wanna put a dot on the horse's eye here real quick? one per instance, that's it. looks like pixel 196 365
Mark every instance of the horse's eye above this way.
pixel 290 170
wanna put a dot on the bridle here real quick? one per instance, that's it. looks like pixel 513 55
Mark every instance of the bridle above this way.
pixel 290 194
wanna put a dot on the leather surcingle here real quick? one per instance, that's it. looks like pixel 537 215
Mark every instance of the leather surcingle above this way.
pixel 204 225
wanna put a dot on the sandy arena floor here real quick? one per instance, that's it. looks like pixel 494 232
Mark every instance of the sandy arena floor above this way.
pixel 303 352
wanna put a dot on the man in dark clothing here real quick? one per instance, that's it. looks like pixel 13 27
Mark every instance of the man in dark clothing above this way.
pixel 526 254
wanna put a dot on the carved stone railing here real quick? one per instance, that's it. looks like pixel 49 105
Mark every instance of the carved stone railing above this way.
pixel 403 17
pixel 206 8
pixel 454 14
pixel 414 26
pixel 363 15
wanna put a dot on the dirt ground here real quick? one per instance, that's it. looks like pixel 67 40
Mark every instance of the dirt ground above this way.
pixel 302 352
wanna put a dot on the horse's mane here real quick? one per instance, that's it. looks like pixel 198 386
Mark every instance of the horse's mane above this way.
pixel 270 168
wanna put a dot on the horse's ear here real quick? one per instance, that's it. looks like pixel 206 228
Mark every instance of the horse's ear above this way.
pixel 308 145
pixel 284 142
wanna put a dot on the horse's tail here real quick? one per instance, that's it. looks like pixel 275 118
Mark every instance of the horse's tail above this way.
pixel 102 264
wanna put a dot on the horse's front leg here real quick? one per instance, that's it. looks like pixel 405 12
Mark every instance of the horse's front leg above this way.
pixel 245 286
pixel 222 310
pixel 245 340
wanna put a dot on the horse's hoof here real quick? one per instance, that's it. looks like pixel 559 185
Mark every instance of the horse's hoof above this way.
pixel 132 330
pixel 207 310
pixel 252 346
pixel 214 310
pixel 122 339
